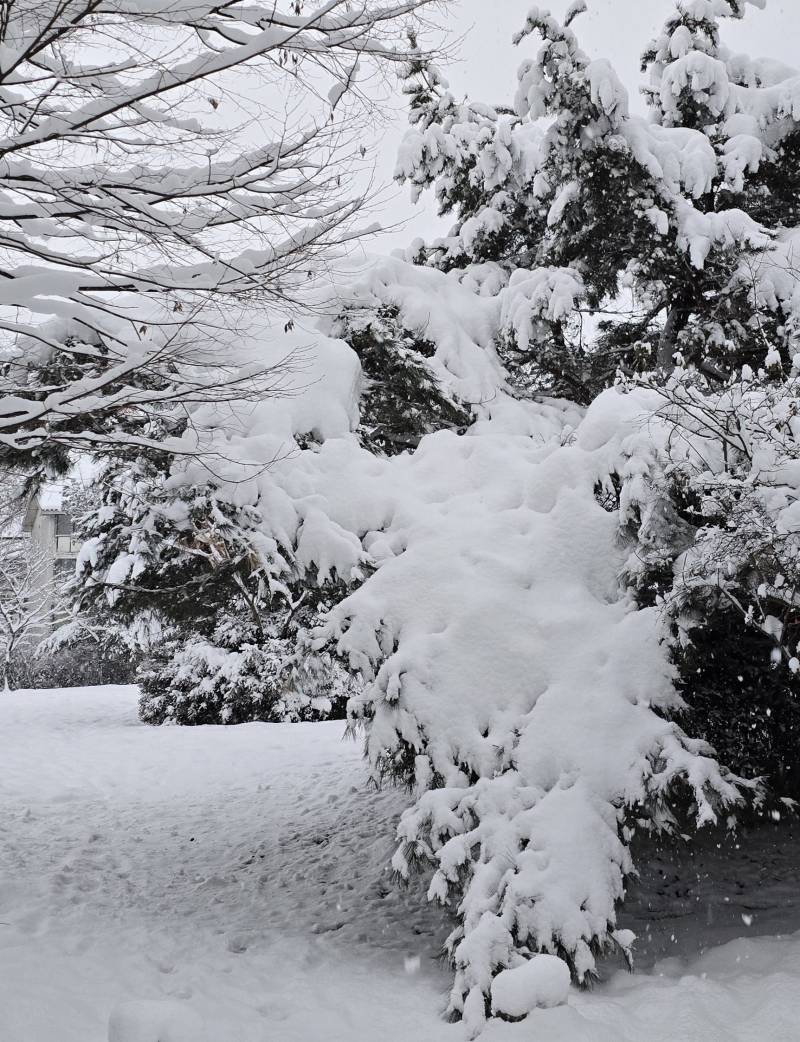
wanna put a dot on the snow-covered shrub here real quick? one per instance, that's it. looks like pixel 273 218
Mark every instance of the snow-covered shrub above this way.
pixel 515 685
pixel 201 683
pixel 235 676
pixel 75 665
pixel 726 575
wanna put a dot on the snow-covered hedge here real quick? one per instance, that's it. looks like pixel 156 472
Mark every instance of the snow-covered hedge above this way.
pixel 201 682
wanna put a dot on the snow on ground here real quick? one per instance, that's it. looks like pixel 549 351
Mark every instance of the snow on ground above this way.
pixel 713 887
pixel 236 878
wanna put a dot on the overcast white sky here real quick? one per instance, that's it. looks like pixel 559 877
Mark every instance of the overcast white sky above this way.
pixel 485 63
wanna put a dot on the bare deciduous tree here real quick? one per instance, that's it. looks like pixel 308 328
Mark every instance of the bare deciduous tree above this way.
pixel 162 161
pixel 31 601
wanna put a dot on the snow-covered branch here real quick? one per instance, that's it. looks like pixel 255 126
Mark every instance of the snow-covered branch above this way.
pixel 161 159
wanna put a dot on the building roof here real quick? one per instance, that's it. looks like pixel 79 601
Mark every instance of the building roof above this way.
pixel 47 499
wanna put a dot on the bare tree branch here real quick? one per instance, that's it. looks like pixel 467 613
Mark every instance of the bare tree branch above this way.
pixel 173 158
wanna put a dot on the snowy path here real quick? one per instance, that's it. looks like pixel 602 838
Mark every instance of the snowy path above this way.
pixel 241 874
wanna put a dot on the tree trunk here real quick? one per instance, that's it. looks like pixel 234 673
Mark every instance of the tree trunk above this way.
pixel 677 317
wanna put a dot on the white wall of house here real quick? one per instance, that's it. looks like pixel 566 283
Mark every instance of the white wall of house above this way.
pixel 50 531
pixel 42 535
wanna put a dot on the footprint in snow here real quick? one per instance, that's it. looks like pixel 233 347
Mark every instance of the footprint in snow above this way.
pixel 150 1020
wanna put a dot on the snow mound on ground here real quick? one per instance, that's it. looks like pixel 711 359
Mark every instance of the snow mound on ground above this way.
pixel 542 980
pixel 152 1020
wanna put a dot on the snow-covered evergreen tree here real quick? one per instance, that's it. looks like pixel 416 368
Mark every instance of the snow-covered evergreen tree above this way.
pixel 748 112
pixel 671 225
pixel 214 565
pixel 179 551
pixel 223 607
pixel 569 207
pixel 401 398
pixel 718 554
pixel 516 688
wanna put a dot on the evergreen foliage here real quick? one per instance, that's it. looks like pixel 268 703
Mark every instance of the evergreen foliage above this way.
pixel 401 399
pixel 180 551
pixel 222 607
pixel 239 674
pixel 666 225
pixel 717 551
pixel 77 662
pixel 740 701
pixel 41 371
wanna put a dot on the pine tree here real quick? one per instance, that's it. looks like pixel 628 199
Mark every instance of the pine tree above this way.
pixel 670 226
pixel 180 552
pixel 222 607
pixel 696 84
